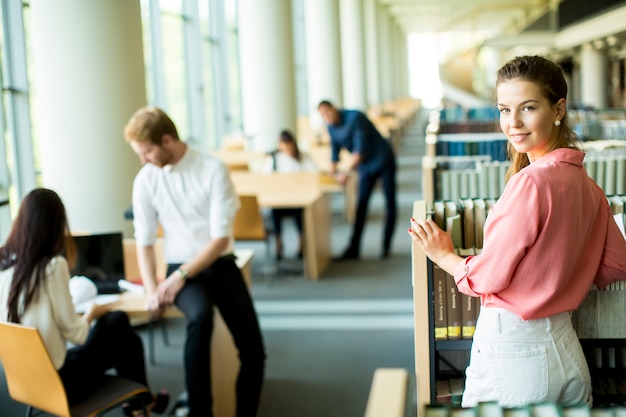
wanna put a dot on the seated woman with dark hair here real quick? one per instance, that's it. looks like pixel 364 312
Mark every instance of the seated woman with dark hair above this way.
pixel 288 158
pixel 34 291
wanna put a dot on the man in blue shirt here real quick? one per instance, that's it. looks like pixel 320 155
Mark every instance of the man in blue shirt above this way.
pixel 372 157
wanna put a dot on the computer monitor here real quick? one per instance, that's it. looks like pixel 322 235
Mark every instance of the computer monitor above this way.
pixel 100 257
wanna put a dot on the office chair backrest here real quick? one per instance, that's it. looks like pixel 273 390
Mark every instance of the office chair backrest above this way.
pixel 31 377
pixel 248 223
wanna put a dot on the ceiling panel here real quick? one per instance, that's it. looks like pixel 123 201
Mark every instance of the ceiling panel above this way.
pixel 465 24
pixel 458 15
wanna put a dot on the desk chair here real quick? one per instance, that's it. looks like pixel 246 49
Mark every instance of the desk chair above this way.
pixel 250 225
pixel 33 380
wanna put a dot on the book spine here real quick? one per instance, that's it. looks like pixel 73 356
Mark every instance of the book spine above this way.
pixel 441 319
pixel 469 315
pixel 455 185
pixel 493 182
pixel 453 305
pixel 483 182
pixel 446 185
pixel 473 183
pixel 609 176
pixel 620 176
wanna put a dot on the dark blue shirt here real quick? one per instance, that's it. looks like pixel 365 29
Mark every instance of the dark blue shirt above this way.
pixel 357 134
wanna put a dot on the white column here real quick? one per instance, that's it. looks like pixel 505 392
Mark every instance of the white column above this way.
pixel 353 54
pixel 371 53
pixel 384 53
pixel 323 45
pixel 89 79
pixel 267 71
pixel 594 77
pixel 397 62
pixel 403 65
pixel 299 57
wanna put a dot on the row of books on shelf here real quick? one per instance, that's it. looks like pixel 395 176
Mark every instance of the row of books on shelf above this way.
pixel 601 314
pixel 462 144
pixel 471 177
pixel 600 129
pixel 455 313
pixel 460 113
pixel 544 409
pixel 469 126
pixel 608 170
pixel 484 178
pixel 594 124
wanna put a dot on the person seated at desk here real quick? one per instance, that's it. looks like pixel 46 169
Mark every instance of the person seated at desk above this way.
pixel 288 159
pixel 34 291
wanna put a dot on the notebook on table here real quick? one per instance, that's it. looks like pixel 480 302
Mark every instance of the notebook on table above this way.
pixel 100 257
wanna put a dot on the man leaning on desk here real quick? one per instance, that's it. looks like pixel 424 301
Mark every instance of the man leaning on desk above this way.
pixel 192 198
pixel 373 158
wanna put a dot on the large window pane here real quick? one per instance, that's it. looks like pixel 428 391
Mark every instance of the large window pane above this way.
pixel 17 162
pixel 207 74
pixel 172 25
pixel 234 84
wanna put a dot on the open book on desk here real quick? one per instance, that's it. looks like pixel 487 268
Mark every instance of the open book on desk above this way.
pixel 85 293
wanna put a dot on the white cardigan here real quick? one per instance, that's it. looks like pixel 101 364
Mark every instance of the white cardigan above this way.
pixel 51 312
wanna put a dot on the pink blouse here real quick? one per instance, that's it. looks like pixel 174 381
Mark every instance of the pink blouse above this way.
pixel 549 237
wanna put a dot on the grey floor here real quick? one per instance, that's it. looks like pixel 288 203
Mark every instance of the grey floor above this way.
pixel 324 339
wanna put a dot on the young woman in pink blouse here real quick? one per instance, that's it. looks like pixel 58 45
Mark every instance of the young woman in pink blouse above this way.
pixel 548 239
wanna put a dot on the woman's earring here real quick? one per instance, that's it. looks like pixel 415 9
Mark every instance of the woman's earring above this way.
pixel 557 123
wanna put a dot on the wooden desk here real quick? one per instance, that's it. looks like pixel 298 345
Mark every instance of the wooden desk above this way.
pixel 240 159
pixel 299 190
pixel 225 361
pixel 388 394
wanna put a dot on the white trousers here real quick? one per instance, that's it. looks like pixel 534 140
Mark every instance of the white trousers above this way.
pixel 519 362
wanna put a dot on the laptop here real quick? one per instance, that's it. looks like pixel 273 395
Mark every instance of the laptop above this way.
pixel 100 257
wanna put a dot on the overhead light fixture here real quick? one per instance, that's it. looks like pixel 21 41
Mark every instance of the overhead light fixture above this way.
pixel 598 44
pixel 612 40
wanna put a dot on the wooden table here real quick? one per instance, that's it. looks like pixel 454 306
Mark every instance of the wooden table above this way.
pixel 298 190
pixel 244 160
pixel 241 160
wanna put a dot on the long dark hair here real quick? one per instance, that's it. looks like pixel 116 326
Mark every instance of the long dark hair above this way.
pixel 287 137
pixel 38 234
pixel 550 79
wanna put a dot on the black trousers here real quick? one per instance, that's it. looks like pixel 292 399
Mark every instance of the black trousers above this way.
pixel 222 286
pixel 112 344
pixel 367 180
pixel 279 214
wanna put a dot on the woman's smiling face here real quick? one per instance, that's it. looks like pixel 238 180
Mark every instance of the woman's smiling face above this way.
pixel 527 117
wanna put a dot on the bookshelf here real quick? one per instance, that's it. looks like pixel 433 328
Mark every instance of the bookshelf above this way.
pixel 428 351
pixel 603 341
